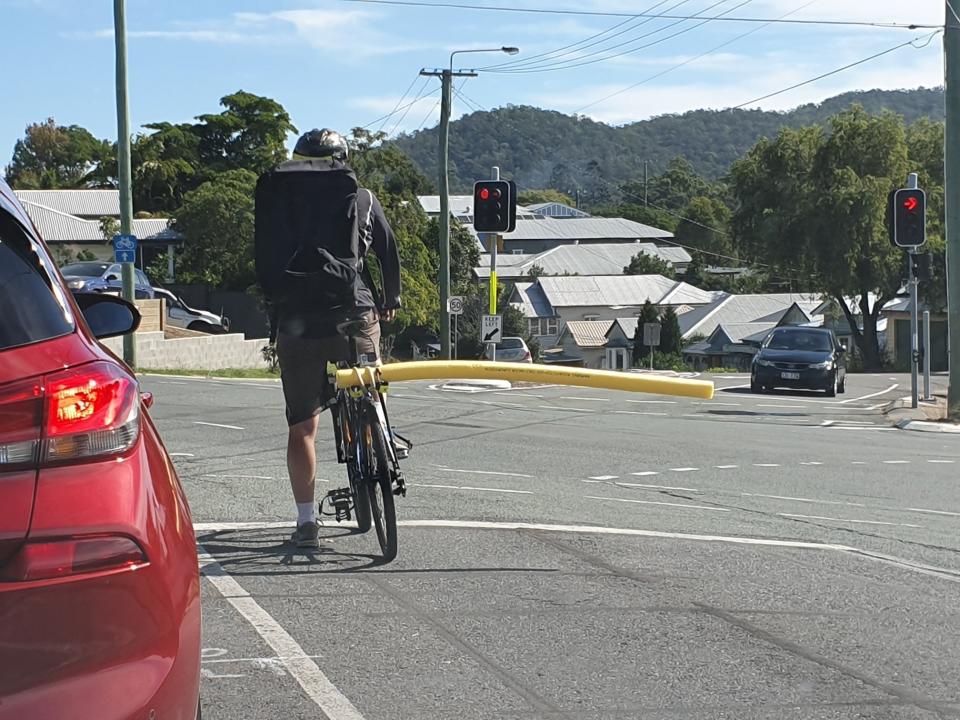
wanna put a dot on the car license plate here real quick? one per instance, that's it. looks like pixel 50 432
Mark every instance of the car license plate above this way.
pixel 790 375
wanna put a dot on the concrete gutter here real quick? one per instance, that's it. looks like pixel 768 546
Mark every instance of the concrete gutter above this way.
pixel 928 417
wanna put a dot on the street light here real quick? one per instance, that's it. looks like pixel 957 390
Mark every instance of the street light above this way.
pixel 446 82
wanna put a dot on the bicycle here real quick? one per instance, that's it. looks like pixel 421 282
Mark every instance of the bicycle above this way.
pixel 364 442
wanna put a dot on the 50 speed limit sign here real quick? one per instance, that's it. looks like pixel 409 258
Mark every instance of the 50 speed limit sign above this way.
pixel 455 305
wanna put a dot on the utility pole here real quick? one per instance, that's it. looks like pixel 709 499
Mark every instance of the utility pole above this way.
pixel 123 162
pixel 446 90
pixel 951 52
pixel 913 285
pixel 645 181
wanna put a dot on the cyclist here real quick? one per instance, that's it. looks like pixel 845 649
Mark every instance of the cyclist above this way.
pixel 304 324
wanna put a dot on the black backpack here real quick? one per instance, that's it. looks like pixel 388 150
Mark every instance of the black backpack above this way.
pixel 306 243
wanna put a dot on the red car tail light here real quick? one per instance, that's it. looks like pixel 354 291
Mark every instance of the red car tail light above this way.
pixel 51 559
pixel 21 412
pixel 89 411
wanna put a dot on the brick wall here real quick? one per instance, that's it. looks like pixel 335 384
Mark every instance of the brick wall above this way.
pixel 210 352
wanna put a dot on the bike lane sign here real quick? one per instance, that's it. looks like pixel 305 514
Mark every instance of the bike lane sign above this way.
pixel 124 248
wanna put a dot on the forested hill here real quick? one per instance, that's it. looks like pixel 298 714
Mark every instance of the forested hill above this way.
pixel 532 145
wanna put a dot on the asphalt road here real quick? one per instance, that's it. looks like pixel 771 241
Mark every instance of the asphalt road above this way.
pixel 572 553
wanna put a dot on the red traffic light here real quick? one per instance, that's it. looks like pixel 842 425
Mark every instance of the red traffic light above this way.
pixel 911 203
pixel 484 194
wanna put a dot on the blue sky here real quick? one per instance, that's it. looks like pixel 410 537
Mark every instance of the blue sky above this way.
pixel 343 64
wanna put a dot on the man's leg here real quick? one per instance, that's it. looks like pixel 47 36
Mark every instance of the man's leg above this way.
pixel 302 459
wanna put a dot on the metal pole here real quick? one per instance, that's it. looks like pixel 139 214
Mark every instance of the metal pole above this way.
pixel 951 48
pixel 914 319
pixel 927 344
pixel 645 180
pixel 494 240
pixel 446 81
pixel 123 161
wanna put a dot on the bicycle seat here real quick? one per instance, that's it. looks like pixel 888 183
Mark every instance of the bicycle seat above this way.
pixel 350 327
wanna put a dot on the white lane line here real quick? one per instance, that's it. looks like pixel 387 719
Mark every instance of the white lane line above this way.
pixel 486 472
pixel 242 477
pixel 683 469
pixel 871 395
pixel 847 520
pixel 896 462
pixel 766 465
pixel 301 666
pixel 783 407
pixel 468 487
pixel 827 423
pixel 713 404
pixel 645 473
pixel 568 409
pixel 519 393
pixel 219 425
pixel 934 512
pixel 653 402
pixel 182 455
pixel 638 412
pixel 853 422
pixel 726 467
pixel 604 477
pixel 857 462
pixel 811 462
pixel 876 407
pixel 658 487
pixel 803 500
pixel 902 563
pixel 584 397
pixel 941 462
pixel 654 502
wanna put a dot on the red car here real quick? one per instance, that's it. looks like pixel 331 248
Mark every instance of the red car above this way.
pixel 99 583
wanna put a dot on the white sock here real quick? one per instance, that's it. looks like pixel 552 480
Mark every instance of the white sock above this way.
pixel 306 512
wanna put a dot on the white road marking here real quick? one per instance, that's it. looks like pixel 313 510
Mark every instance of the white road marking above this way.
pixel 783 407
pixel 638 412
pixel 255 660
pixel 654 502
pixel 522 392
pixel 653 402
pixel 931 570
pixel 604 477
pixel 941 462
pixel 896 462
pixel 871 395
pixel 803 500
pixel 569 409
pixel 875 407
pixel 683 469
pixel 726 467
pixel 857 462
pixel 211 675
pixel 242 477
pixel 766 465
pixel 467 487
pixel 847 520
pixel 486 472
pixel 645 473
pixel 584 397
pixel 712 404
pixel 826 423
pixel 811 462
pixel 219 425
pixel 182 455
pixel 853 422
pixel 658 487
pixel 934 512
pixel 301 666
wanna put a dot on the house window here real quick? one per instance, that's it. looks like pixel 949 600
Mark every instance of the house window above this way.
pixel 542 326
pixel 552 326
pixel 591 317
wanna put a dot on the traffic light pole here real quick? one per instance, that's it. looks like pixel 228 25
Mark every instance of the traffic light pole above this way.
pixel 914 320
pixel 951 48
pixel 446 90
pixel 123 161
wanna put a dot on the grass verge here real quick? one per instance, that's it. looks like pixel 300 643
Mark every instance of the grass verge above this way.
pixel 258 373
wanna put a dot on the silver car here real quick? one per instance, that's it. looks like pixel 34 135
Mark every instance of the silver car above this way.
pixel 511 349
pixel 181 315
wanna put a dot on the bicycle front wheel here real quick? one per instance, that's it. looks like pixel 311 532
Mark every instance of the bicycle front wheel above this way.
pixel 379 484
pixel 345 435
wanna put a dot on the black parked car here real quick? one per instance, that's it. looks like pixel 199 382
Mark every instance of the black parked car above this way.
pixel 800 358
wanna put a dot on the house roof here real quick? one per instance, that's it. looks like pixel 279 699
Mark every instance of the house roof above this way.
pixel 556 209
pixel 56 226
pixel 81 203
pixel 584 229
pixel 531 300
pixel 627 325
pixel 592 259
pixel 461 206
pixel 617 290
pixel 727 309
pixel 588 333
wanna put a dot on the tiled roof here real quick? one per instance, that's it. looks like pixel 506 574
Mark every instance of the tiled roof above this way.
pixel 588 333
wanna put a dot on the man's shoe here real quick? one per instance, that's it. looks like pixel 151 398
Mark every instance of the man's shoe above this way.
pixel 306 536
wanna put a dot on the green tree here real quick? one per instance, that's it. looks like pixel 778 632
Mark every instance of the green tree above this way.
pixel 544 195
pixel 217 221
pixel 56 156
pixel 477 304
pixel 166 164
pixel 676 186
pixel 250 134
pixel 645 264
pixel 705 226
pixel 648 314
pixel 841 245
pixel 671 340
pixel 638 213
pixel 464 254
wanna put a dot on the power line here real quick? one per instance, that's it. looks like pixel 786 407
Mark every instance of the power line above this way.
pixel 573 65
pixel 420 96
pixel 404 107
pixel 598 13
pixel 402 98
pixel 584 44
pixel 928 38
pixel 691 60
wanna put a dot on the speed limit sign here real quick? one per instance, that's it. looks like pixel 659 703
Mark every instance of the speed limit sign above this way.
pixel 455 305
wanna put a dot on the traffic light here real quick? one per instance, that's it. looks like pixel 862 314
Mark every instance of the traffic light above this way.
pixel 909 217
pixel 922 266
pixel 493 206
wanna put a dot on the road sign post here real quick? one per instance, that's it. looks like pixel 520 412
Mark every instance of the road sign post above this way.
pixel 455 308
pixel 651 338
pixel 491 332
pixel 125 248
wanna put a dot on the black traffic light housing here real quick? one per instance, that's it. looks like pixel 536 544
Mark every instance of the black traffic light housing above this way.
pixel 494 206
pixel 922 264
pixel 908 224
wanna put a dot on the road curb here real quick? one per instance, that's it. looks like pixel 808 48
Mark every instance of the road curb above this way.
pixel 930 427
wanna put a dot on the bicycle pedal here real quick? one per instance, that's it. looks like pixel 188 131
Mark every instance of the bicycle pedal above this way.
pixel 342 501
pixel 399 486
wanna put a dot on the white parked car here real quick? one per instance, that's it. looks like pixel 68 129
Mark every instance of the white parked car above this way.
pixel 511 349
pixel 181 315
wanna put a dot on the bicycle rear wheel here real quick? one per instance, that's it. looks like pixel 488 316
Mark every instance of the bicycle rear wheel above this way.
pixel 379 484
pixel 361 500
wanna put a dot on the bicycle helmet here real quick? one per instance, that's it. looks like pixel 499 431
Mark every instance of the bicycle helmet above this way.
pixel 321 143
